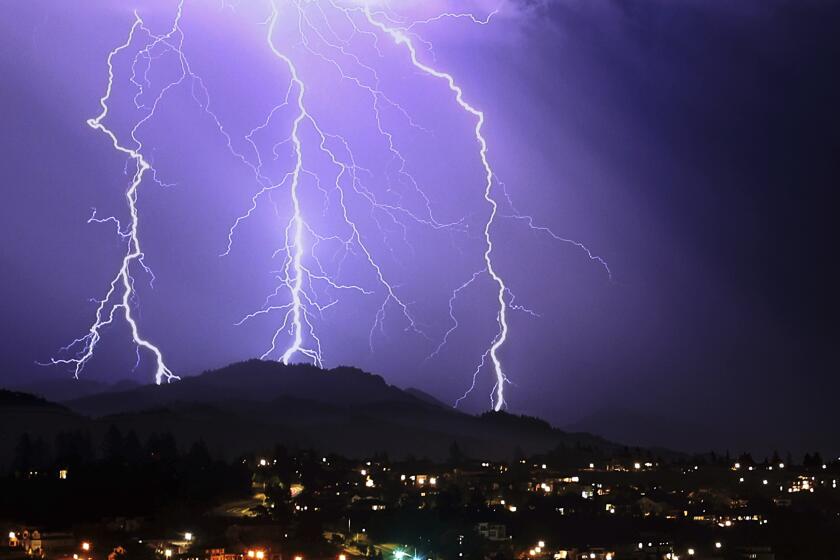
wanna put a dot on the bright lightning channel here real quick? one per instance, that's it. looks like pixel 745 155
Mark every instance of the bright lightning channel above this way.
pixel 296 223
pixel 401 38
pixel 121 292
pixel 295 275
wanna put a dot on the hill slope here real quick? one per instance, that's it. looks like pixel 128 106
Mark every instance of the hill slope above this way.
pixel 23 413
pixel 254 380
pixel 255 405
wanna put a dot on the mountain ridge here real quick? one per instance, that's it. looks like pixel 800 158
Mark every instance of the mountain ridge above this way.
pixel 253 405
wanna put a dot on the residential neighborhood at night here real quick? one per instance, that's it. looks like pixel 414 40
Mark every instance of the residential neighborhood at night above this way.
pixel 287 505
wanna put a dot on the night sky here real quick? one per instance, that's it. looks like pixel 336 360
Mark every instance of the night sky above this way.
pixel 693 145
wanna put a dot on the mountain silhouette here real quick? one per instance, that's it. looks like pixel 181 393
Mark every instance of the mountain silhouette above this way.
pixel 251 406
pixel 24 413
pixel 648 429
pixel 63 389
pixel 254 380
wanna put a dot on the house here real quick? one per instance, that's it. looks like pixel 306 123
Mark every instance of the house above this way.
pixel 492 531
pixel 756 553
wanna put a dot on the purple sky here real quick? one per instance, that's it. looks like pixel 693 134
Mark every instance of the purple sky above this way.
pixel 690 144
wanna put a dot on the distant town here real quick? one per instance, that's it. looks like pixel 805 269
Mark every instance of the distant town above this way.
pixel 153 500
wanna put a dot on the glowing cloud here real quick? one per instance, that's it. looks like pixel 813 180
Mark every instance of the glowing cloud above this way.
pixel 306 287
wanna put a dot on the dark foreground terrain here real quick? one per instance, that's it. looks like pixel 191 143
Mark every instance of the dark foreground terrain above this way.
pixel 262 461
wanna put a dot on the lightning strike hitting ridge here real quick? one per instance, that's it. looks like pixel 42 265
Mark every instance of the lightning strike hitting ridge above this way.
pixel 402 39
pixel 296 224
pixel 121 291
pixel 295 275
pixel 307 283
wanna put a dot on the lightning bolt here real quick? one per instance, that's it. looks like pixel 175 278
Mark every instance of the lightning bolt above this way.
pixel 121 293
pixel 296 225
pixel 297 279
pixel 401 38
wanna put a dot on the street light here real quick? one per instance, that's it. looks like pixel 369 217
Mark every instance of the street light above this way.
pixel 188 536
pixel 85 546
pixel 168 553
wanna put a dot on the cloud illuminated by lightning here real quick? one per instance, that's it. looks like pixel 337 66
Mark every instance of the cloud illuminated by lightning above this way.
pixel 306 288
